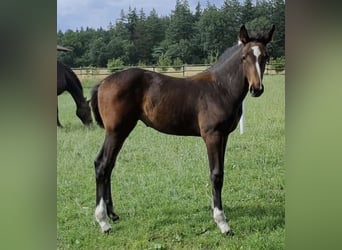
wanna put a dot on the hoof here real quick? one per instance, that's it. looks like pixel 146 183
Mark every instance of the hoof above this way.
pixel 113 216
pixel 106 229
pixel 229 233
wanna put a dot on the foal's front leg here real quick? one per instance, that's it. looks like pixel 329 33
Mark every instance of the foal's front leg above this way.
pixel 101 208
pixel 216 145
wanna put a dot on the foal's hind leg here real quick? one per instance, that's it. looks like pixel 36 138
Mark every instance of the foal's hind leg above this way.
pixel 108 196
pixel 104 165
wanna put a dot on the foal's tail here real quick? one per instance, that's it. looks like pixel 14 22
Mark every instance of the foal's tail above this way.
pixel 95 106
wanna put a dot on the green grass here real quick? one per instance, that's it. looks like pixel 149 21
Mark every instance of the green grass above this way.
pixel 161 186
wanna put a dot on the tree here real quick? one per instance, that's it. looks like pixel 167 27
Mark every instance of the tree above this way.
pixel 247 13
pixel 261 23
pixel 209 30
pixel 232 18
pixel 182 36
pixel 97 52
pixel 118 41
pixel 154 36
pixel 181 23
pixel 198 13
pixel 278 19
pixel 180 50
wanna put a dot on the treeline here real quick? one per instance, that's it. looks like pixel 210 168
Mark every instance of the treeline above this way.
pixel 182 37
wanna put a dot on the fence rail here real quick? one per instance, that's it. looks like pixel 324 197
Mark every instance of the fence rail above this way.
pixel 178 71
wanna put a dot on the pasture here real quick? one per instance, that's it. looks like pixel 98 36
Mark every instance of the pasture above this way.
pixel 161 186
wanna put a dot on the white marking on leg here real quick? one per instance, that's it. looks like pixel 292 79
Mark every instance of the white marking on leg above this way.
pixel 220 220
pixel 257 53
pixel 101 216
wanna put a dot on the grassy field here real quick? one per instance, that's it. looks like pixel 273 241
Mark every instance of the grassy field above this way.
pixel 161 186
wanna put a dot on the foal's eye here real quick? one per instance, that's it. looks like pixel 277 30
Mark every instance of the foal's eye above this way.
pixel 243 57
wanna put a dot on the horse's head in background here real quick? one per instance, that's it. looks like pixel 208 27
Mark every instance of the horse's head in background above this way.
pixel 254 58
pixel 84 112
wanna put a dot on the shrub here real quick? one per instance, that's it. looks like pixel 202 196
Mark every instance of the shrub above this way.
pixel 141 64
pixel 278 64
pixel 177 63
pixel 164 61
pixel 115 64
pixel 92 70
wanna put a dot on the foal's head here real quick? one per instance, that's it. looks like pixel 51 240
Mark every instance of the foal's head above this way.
pixel 254 58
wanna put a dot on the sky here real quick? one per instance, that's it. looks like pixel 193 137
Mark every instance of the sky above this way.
pixel 74 14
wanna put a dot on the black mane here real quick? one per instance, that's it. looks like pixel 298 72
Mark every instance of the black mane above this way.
pixel 65 74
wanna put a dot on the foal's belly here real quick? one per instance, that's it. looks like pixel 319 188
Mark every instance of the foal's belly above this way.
pixel 171 121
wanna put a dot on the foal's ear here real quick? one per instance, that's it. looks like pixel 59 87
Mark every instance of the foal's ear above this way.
pixel 270 34
pixel 243 36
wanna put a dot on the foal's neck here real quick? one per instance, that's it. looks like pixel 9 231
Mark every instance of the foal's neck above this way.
pixel 230 76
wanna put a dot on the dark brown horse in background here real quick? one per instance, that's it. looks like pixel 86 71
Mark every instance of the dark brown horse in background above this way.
pixel 208 104
pixel 68 81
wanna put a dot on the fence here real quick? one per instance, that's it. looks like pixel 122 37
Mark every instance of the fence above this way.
pixel 180 71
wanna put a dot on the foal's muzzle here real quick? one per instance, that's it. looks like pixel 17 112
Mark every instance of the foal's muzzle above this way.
pixel 256 92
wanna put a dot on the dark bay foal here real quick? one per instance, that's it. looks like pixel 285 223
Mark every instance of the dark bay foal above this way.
pixel 208 104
